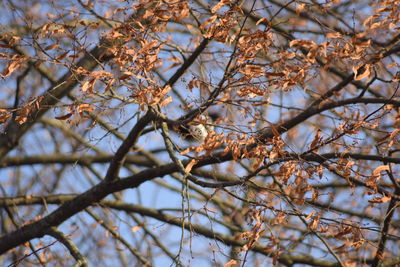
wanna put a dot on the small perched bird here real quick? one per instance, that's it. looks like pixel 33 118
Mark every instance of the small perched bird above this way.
pixel 199 129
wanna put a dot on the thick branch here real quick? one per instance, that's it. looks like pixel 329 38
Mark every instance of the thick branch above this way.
pixel 14 130
pixel 72 248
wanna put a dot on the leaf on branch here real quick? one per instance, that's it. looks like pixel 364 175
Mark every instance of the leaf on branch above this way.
pixel 333 35
pixel 13 65
pixel 190 165
pixel 64 117
pixel 303 43
pixel 309 216
pixel 314 222
pixel 62 56
pixel 263 20
pixel 300 8
pixel 361 72
pixel 220 5
pixel 84 107
pixel 378 170
pixel 51 47
pixel 88 85
pixel 394 64
pixel 230 263
pixel 280 217
pixel 377 200
pixel 253 70
pixel 4 115
pixel 136 228
pixel 317 139
pixel 166 101
pixel 274 130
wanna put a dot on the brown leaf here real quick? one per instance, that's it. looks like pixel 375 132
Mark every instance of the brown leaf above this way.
pixel 124 77
pixel 300 8
pixel 136 228
pixel 377 200
pixel 12 66
pixel 63 117
pixel 51 47
pixel 362 72
pixel 317 139
pixel 379 169
pixel 263 20
pixel 88 85
pixel 333 35
pixel 189 167
pixel 4 116
pixel 274 130
pixel 63 55
pixel 220 5
pixel 84 107
pixel 109 84
pixel 166 101
pixel 230 263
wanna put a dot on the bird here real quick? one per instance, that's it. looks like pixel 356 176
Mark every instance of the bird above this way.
pixel 199 129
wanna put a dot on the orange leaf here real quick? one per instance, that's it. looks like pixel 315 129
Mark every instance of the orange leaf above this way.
pixel 230 263
pixel 383 199
pixel 51 47
pixel 189 167
pixel 377 171
pixel 84 107
pixel 310 216
pixel 124 77
pixel 317 138
pixel 187 150
pixel 11 68
pixel 300 8
pixel 109 84
pixel 262 20
pixel 4 116
pixel 333 35
pixel 136 228
pixel 89 85
pixel 365 72
pixel 219 5
pixel 64 117
pixel 274 130
pixel 166 101
pixel 63 55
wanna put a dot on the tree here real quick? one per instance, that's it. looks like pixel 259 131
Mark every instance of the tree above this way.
pixel 98 107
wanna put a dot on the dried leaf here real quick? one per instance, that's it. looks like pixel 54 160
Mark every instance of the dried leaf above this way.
pixel 189 167
pixel 64 117
pixel 136 228
pixel 317 139
pixel 362 72
pixel 51 47
pixel 230 263
pixel 88 85
pixel 166 101
pixel 379 169
pixel 377 200
pixel 4 116
pixel 12 66
pixel 63 55
pixel 333 35
pixel 220 5
pixel 300 8
pixel 84 107
pixel 263 20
